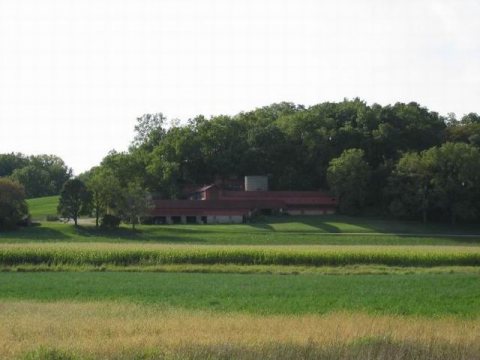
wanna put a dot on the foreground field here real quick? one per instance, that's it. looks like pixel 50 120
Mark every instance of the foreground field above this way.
pixel 421 294
pixel 330 287
pixel 111 330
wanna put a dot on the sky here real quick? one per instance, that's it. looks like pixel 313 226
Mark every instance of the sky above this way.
pixel 75 74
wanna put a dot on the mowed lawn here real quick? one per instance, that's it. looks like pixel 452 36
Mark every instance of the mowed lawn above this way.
pixel 295 230
pixel 40 208
pixel 224 235
pixel 421 294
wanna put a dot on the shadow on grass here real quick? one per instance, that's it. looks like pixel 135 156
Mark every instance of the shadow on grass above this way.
pixel 91 231
pixel 262 226
pixel 325 230
pixel 361 224
pixel 35 232
pixel 314 222
pixel 84 233
pixel 321 225
pixel 144 235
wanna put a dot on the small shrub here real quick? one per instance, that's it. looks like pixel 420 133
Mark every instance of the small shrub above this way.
pixel 52 218
pixel 147 220
pixel 110 221
pixel 50 354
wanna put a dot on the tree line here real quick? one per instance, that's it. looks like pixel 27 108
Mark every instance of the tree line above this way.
pixel 100 195
pixel 401 160
pixel 40 175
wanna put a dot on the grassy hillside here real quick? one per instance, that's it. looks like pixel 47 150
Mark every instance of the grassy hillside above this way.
pixel 41 207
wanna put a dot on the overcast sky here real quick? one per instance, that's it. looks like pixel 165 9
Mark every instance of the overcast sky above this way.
pixel 75 74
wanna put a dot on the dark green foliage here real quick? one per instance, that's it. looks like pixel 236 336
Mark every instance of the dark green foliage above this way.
pixel 10 162
pixel 55 167
pixel 348 177
pixel 410 187
pixel 41 175
pixel 75 200
pixel 456 179
pixel 110 221
pixel 292 144
pixel 127 167
pixel 13 207
pixel 445 179
pixel 134 203
pixel 35 180
pixel 105 190
pixel 149 130
pixel 466 130
pixel 295 146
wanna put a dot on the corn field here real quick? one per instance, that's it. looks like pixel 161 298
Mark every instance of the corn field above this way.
pixel 147 255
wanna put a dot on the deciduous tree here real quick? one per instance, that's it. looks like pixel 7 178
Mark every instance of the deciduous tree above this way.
pixel 456 179
pixel 348 177
pixel 411 185
pixel 105 190
pixel 75 200
pixel 134 203
pixel 13 207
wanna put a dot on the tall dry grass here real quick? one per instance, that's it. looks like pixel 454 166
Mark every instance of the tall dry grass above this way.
pixel 124 331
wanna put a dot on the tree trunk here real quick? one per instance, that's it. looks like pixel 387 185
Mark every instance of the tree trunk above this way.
pixel 424 215
pixel 425 204
pixel 75 221
pixel 97 208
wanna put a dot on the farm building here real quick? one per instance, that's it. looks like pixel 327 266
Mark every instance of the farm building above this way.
pixel 235 202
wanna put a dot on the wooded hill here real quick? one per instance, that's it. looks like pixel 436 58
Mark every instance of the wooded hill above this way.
pixel 401 160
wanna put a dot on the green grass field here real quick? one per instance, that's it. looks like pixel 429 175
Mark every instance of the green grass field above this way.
pixel 246 234
pixel 40 208
pixel 427 295
pixel 332 287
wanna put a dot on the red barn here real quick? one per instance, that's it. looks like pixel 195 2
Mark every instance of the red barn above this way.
pixel 217 204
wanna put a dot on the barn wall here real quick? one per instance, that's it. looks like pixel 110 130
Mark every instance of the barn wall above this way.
pixel 224 219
